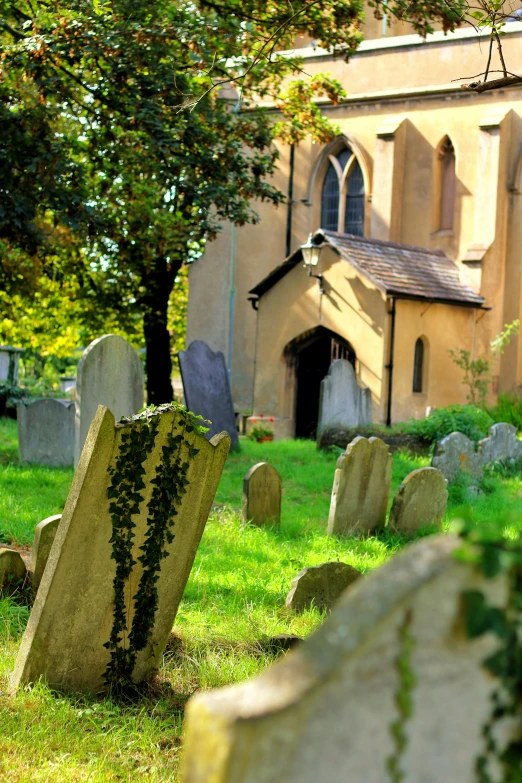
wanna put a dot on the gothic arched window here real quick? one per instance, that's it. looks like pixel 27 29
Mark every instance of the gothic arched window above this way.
pixel 418 366
pixel 342 199
pixel 447 180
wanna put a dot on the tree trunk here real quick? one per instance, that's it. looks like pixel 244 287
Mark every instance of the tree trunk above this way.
pixel 158 361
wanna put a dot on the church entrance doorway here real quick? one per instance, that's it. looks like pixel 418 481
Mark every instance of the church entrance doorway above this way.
pixel 310 356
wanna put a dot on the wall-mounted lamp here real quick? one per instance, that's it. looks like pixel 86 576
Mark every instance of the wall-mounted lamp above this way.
pixel 311 252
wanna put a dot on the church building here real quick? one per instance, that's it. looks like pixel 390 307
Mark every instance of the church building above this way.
pixel 402 241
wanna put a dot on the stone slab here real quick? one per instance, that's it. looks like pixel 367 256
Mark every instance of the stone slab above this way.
pixel 420 501
pixel 9 363
pixel 110 373
pixel 343 403
pixel 329 711
pixel 46 432
pixel 262 490
pixel 44 536
pixel 361 488
pixel 73 615
pixel 320 586
pixel 501 444
pixel 12 567
pixel 207 388
pixel 456 453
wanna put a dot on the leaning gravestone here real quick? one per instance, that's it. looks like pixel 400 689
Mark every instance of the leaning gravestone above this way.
pixel 123 551
pixel 44 536
pixel 501 444
pixel 46 432
pixel 420 502
pixel 262 495
pixel 207 390
pixel 343 403
pixel 110 373
pixel 361 488
pixel 320 586
pixel 454 453
pixel 334 709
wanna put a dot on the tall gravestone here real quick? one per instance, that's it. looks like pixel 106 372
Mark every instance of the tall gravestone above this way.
pixel 110 373
pixel 343 403
pixel 389 688
pixel 123 550
pixel 46 432
pixel 361 488
pixel 206 388
pixel 262 495
pixel 420 502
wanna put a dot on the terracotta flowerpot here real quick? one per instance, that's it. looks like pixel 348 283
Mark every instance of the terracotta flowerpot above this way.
pixel 265 438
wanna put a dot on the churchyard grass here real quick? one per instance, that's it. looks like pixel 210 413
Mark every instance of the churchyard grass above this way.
pixel 233 603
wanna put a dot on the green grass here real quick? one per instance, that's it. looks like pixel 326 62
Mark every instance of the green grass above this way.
pixel 234 600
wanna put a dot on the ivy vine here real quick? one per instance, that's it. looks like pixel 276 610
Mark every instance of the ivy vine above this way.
pixel 403 698
pixel 495 554
pixel 125 493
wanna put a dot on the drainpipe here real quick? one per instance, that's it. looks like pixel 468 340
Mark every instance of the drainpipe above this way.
pixel 290 201
pixel 389 366
pixel 231 303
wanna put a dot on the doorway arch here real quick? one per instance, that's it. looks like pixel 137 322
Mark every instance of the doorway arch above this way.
pixel 309 356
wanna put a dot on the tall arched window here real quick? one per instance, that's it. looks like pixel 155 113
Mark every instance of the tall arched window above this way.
pixel 418 366
pixel 342 200
pixel 447 180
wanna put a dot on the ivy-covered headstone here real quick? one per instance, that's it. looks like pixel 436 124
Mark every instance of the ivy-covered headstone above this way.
pixel 123 550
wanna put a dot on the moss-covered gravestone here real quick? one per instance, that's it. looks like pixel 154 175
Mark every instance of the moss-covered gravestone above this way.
pixel 420 502
pixel 123 550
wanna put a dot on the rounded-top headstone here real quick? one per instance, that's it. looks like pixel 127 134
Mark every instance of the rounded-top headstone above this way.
pixel 44 536
pixel 420 501
pixel 320 586
pixel 110 373
pixel 12 567
pixel 262 495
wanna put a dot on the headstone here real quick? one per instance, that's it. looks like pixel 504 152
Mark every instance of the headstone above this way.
pixel 389 688
pixel 110 373
pixel 343 403
pixel 262 495
pixel 454 453
pixel 320 586
pixel 46 432
pixel 12 567
pixel 123 551
pixel 361 488
pixel 501 444
pixel 207 390
pixel 44 536
pixel 9 363
pixel 420 502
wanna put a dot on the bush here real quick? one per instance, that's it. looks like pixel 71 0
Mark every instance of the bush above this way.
pixel 468 419
pixel 508 409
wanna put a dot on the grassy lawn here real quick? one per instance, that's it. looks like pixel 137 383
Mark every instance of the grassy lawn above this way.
pixel 234 600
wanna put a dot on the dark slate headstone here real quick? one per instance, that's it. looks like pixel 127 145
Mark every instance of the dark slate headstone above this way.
pixel 207 390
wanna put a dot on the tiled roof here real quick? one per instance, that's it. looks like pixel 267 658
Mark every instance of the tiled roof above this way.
pixel 403 271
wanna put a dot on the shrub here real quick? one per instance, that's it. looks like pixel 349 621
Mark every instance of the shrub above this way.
pixel 508 409
pixel 468 419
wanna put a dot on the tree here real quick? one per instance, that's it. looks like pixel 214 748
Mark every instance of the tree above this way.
pixel 147 154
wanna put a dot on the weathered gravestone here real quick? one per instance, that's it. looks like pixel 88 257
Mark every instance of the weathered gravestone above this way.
pixel 454 453
pixel 46 432
pixel 110 373
pixel 44 536
pixel 420 501
pixel 262 495
pixel 343 403
pixel 501 444
pixel 333 709
pixel 9 363
pixel 207 390
pixel 320 586
pixel 123 550
pixel 361 488
pixel 12 567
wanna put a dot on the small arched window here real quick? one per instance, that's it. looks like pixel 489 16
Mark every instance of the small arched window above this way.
pixel 447 180
pixel 418 366
pixel 342 200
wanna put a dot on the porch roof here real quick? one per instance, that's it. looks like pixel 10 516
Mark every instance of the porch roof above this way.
pixel 402 271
